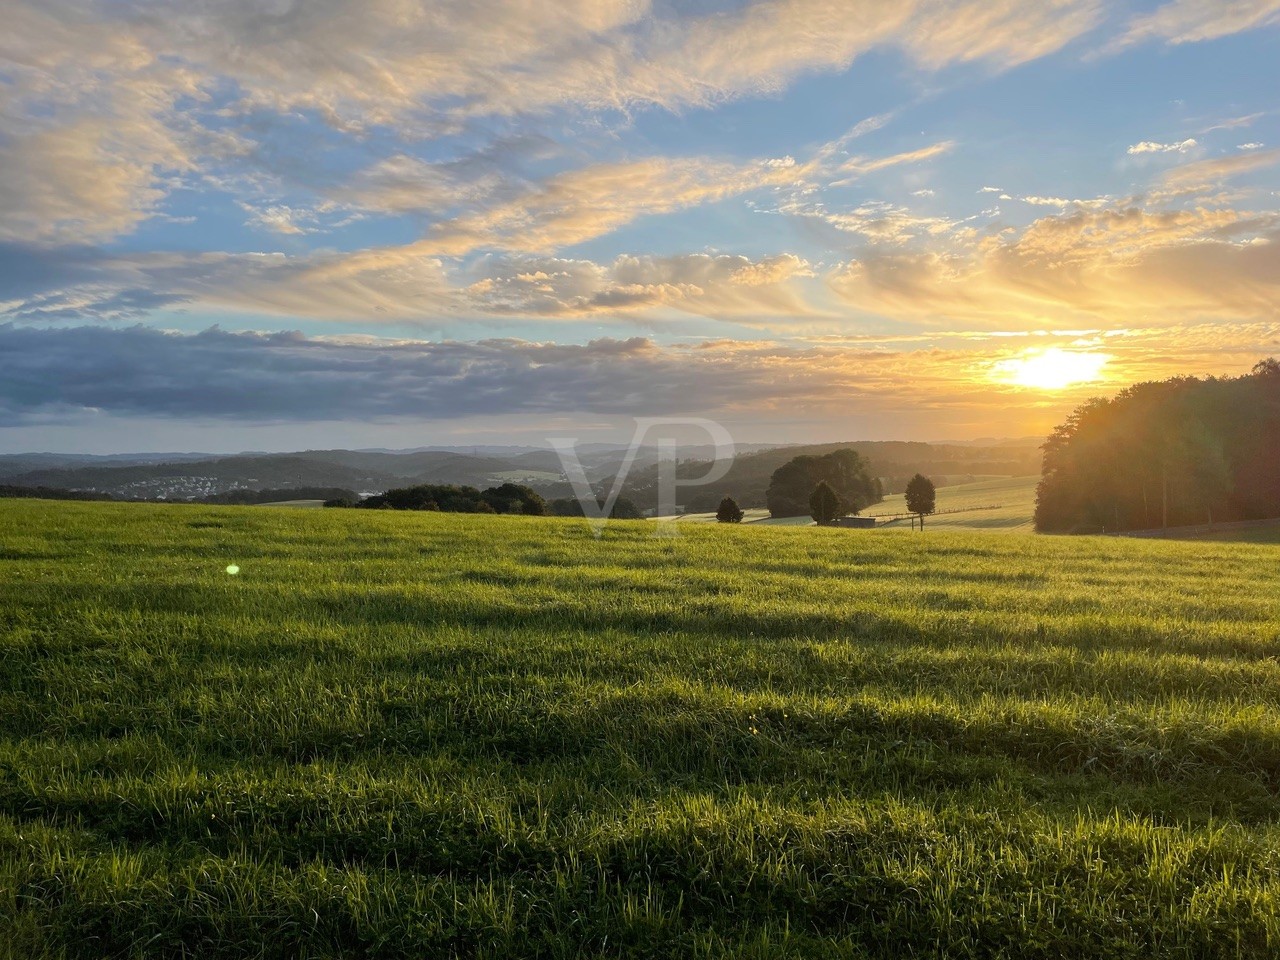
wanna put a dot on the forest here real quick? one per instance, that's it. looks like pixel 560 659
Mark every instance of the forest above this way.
pixel 1168 453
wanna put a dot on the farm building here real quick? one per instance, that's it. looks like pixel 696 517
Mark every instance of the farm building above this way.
pixel 856 522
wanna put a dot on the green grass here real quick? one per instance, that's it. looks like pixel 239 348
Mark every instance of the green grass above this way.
pixel 1262 533
pixel 1255 531
pixel 428 735
pixel 1015 498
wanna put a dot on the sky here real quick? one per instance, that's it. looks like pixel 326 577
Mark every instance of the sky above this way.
pixel 289 224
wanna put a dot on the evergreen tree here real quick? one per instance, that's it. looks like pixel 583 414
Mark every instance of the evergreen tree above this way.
pixel 824 504
pixel 729 511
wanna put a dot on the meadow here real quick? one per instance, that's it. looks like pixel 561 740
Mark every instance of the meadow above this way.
pixel 1006 504
pixel 427 735
pixel 1001 504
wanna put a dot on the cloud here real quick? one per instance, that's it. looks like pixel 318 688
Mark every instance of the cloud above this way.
pixel 31 270
pixel 108 107
pixel 87 177
pixel 396 284
pixel 403 183
pixel 1232 123
pixel 92 304
pixel 864 165
pixel 378 285
pixel 1191 21
pixel 1213 172
pixel 91 134
pixel 96 378
pixel 1250 146
pixel 717 286
pixel 1150 146
pixel 387 62
pixel 1113 267
pixel 582 204
pixel 875 220
pixel 1004 32
pixel 278 218
pixel 286 376
pixel 87 283
pixel 490 208
pixel 1035 201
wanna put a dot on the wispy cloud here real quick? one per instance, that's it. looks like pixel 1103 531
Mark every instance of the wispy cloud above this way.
pixel 102 110
pixel 859 166
pixel 1190 21
pixel 400 285
pixel 1233 123
pixel 578 205
pixel 1204 174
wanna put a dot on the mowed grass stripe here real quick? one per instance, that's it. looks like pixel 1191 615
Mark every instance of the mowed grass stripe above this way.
pixel 397 734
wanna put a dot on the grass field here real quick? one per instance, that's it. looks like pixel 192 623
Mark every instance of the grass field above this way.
pixel 1015 498
pixel 1249 531
pixel 1262 533
pixel 430 735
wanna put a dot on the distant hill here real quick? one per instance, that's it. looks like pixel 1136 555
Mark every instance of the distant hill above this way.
pixel 201 478
pixel 14 464
pixel 363 471
pixel 197 476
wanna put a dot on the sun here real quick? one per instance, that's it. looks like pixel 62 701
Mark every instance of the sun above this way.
pixel 1051 369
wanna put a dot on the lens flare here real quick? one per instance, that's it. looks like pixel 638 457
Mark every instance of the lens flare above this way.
pixel 1051 369
pixel 233 569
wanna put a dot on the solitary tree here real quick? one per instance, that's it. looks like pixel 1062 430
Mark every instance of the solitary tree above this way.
pixel 921 496
pixel 824 504
pixel 729 511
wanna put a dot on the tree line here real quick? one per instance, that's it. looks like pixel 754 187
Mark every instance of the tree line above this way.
pixel 508 498
pixel 1167 453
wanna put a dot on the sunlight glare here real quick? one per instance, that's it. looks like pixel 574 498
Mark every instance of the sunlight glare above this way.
pixel 1052 369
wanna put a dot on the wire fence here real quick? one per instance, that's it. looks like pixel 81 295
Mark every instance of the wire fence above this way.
pixel 889 517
